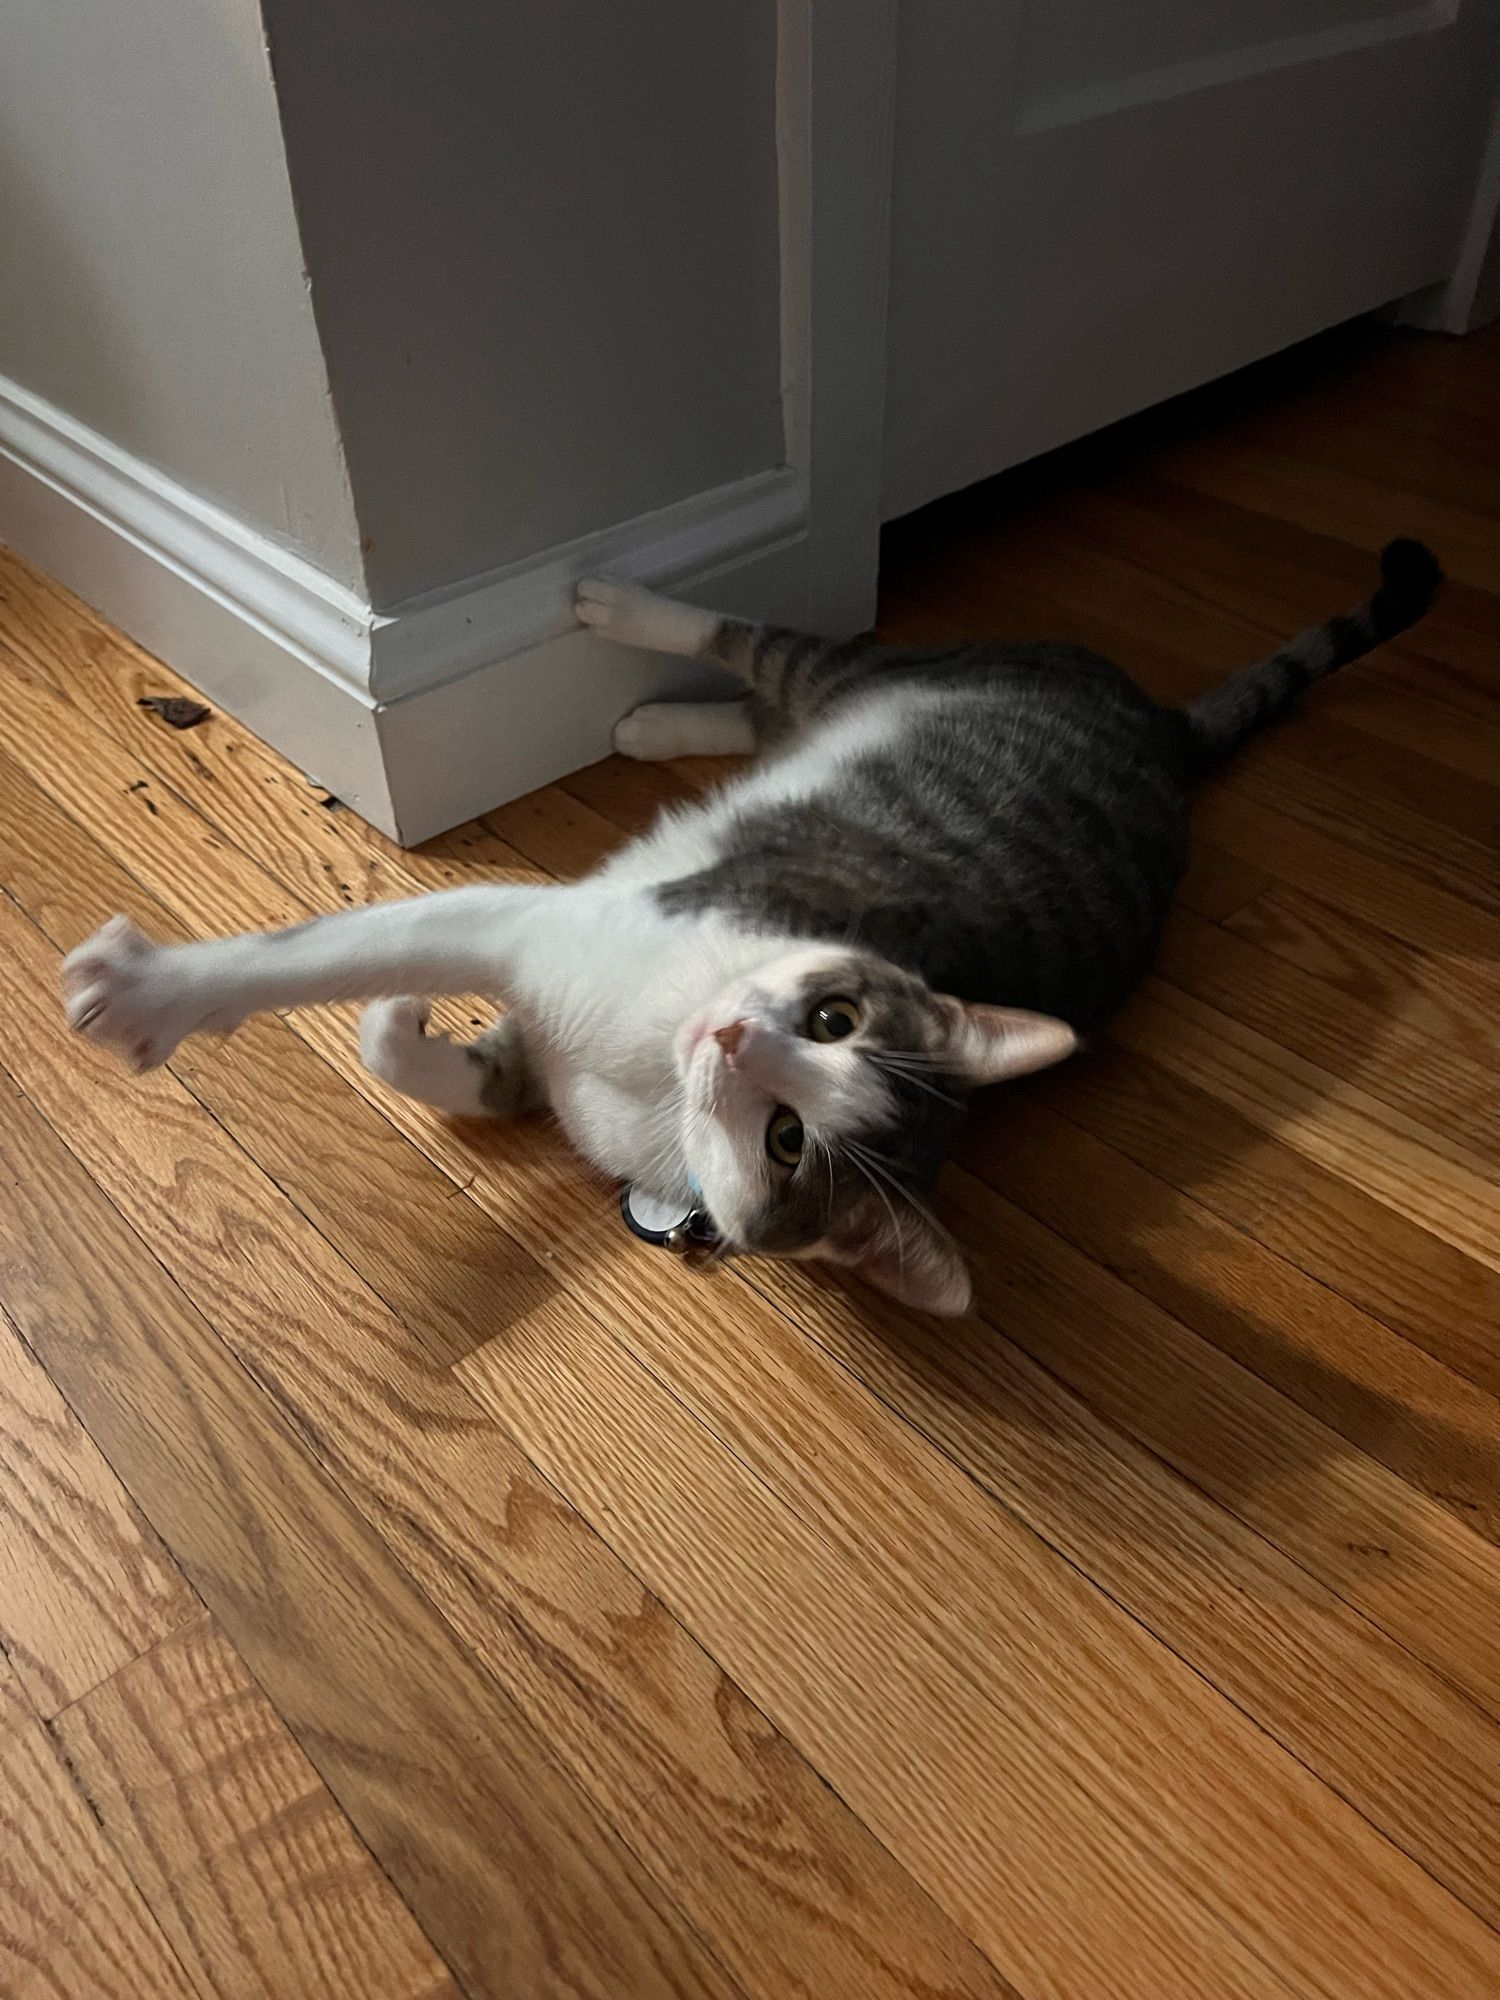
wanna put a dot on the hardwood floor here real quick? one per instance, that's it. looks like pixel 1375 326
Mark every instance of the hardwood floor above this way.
pixel 410 1586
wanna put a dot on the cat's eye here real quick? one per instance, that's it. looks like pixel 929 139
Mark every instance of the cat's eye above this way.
pixel 785 1137
pixel 832 1019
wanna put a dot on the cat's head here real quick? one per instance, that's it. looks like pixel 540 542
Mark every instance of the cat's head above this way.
pixel 819 1094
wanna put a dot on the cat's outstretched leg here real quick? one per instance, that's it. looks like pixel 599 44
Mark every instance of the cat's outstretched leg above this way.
pixel 142 999
pixel 490 1077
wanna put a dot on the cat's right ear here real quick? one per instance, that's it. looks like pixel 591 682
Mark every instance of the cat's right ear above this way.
pixel 914 1261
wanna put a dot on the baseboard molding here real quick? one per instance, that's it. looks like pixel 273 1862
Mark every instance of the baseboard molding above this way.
pixel 420 715
pixel 430 640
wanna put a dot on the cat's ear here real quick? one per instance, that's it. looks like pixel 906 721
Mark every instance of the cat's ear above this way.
pixel 916 1263
pixel 991 1044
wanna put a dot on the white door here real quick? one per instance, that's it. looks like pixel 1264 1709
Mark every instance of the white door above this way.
pixel 1099 203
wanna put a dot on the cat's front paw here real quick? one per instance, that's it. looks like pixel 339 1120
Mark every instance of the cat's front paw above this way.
pixel 124 991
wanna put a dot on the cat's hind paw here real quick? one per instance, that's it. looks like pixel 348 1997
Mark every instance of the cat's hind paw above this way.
pixel 390 1036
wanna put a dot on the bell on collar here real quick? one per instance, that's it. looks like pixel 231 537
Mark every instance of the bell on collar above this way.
pixel 680 1227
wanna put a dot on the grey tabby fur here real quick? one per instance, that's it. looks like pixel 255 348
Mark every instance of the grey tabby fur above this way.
pixel 1019 842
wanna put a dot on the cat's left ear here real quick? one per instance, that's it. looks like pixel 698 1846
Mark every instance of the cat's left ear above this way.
pixel 991 1044
pixel 905 1254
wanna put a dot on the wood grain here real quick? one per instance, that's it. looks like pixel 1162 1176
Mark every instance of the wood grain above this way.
pixel 1418 1284
pixel 1386 1394
pixel 421 1748
pixel 1444 1093
pixel 1390 1737
pixel 72 1925
pixel 85 1586
pixel 987 1609
pixel 1451 998
pixel 254 1875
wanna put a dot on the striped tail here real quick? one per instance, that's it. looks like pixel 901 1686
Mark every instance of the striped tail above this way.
pixel 1410 577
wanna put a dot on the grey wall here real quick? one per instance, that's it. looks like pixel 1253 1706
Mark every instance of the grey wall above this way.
pixel 151 280
pixel 543 243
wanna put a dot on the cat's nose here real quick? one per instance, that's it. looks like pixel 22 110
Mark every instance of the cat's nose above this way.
pixel 730 1037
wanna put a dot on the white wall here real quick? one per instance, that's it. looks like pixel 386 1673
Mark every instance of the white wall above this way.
pixel 591 285
pixel 544 256
pixel 151 278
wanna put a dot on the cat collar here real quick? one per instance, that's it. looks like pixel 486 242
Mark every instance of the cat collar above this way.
pixel 681 1227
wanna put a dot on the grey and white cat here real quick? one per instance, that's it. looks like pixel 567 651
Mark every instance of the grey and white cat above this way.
pixel 775 1002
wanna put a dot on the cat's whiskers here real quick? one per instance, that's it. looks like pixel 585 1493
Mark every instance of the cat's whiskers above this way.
pixel 855 1154
pixel 913 1076
pixel 878 1162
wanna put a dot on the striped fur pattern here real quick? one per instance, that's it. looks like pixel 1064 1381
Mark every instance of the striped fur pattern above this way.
pixel 1016 832
pixel 1409 580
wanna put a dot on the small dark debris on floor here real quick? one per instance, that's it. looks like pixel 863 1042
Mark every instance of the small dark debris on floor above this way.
pixel 330 804
pixel 176 710
pixel 139 785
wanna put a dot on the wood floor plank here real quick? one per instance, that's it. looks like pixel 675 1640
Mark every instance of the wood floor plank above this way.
pixel 1391 1738
pixel 1418 1284
pixel 1217 885
pixel 433 1764
pixel 1370 820
pixel 1365 886
pixel 1442 1091
pixel 1451 999
pixel 254 1875
pixel 1406 1562
pixel 578 837
pixel 1428 1178
pixel 836 1564
pixel 85 1587
pixel 630 795
pixel 1433 1427
pixel 1326 499
pixel 796 1895
pixel 72 1925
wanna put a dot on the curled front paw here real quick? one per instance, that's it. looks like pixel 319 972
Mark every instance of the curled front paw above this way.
pixel 120 989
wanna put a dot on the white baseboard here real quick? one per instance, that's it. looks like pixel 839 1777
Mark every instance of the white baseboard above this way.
pixel 418 716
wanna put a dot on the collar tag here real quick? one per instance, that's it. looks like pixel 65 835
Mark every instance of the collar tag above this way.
pixel 678 1226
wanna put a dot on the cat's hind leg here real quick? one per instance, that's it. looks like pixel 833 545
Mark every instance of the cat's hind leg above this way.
pixel 791 675
pixel 635 616
pixel 663 729
pixel 490 1077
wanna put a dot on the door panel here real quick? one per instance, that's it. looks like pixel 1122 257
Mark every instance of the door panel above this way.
pixel 1095 208
pixel 1069 44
